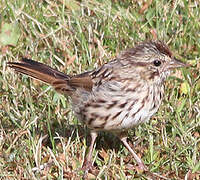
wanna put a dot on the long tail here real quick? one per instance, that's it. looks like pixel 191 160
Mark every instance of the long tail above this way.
pixel 38 70
pixel 61 82
pixel 42 72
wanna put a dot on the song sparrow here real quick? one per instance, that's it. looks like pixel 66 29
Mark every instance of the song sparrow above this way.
pixel 117 96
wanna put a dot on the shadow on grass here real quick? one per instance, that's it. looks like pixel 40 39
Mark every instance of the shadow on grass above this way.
pixel 105 140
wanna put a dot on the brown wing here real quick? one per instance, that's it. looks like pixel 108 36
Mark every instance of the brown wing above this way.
pixel 83 80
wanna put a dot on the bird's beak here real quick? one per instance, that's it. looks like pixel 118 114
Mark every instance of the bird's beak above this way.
pixel 175 63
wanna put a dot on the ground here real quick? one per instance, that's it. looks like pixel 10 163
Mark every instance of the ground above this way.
pixel 40 138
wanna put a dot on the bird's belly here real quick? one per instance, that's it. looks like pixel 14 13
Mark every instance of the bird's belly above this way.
pixel 131 118
pixel 102 118
pixel 119 113
pixel 141 117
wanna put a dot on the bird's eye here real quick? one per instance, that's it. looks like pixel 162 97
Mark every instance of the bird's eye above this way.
pixel 157 63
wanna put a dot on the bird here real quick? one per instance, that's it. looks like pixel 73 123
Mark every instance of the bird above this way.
pixel 118 95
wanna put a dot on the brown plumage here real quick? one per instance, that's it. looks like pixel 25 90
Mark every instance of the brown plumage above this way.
pixel 117 96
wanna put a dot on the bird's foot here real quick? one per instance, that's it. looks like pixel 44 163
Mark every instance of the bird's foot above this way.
pixel 87 165
pixel 142 167
pixel 88 168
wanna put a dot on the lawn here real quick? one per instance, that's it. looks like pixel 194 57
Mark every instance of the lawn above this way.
pixel 40 138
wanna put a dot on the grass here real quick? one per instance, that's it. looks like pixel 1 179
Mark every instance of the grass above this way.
pixel 39 136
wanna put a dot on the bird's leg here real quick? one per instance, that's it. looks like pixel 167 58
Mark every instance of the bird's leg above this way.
pixel 123 138
pixel 88 160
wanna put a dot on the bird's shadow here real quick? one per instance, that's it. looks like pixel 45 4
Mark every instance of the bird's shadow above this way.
pixel 105 140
